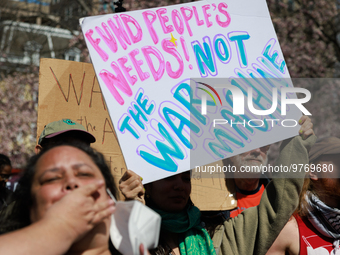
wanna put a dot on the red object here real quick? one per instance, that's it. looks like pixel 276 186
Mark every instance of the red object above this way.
pixel 311 241
pixel 246 201
pixel 16 171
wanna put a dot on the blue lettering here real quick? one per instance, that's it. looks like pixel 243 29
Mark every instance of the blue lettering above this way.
pixel 238 38
pixel 222 48
pixel 136 116
pixel 178 130
pixel 225 113
pixel 221 135
pixel 126 125
pixel 204 58
pixel 166 163
pixel 143 104
pixel 281 66
pixel 178 96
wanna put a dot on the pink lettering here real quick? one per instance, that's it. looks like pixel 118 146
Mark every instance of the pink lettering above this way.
pixel 185 49
pixel 176 17
pixel 187 18
pixel 128 19
pixel 107 37
pixel 148 23
pixel 220 8
pixel 112 81
pixel 170 48
pixel 147 50
pixel 207 15
pixel 163 20
pixel 122 61
pixel 198 21
pixel 119 32
pixel 95 45
pixel 137 63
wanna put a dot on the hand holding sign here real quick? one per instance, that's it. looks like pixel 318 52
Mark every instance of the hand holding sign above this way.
pixel 306 129
pixel 131 186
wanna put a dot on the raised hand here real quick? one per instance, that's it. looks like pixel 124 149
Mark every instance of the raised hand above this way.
pixel 306 129
pixel 80 210
pixel 131 186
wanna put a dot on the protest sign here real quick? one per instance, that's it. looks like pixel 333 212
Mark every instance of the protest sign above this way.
pixel 144 61
pixel 69 89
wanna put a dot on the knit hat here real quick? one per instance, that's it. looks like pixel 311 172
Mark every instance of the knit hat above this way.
pixel 62 126
pixel 324 146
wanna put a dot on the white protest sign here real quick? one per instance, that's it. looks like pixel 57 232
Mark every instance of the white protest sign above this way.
pixel 144 61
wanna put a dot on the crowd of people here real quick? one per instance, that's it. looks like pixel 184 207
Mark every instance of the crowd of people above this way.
pixel 62 206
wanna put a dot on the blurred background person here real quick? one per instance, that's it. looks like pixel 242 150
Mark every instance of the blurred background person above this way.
pixel 252 232
pixel 247 188
pixel 64 130
pixel 315 226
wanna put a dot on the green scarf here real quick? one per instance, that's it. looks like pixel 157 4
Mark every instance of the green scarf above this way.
pixel 194 239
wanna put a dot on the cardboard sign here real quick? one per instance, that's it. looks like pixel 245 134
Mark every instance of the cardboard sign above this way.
pixel 70 89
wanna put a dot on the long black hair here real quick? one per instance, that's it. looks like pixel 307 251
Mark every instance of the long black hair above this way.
pixel 19 216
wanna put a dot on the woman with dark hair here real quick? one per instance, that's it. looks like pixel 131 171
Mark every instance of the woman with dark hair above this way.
pixel 62 205
pixel 251 232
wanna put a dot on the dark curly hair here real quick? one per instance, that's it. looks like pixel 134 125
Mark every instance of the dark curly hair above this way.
pixel 20 216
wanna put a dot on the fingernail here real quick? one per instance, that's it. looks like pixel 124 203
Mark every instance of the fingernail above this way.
pixel 144 190
pixel 300 131
pixel 141 179
pixel 300 121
